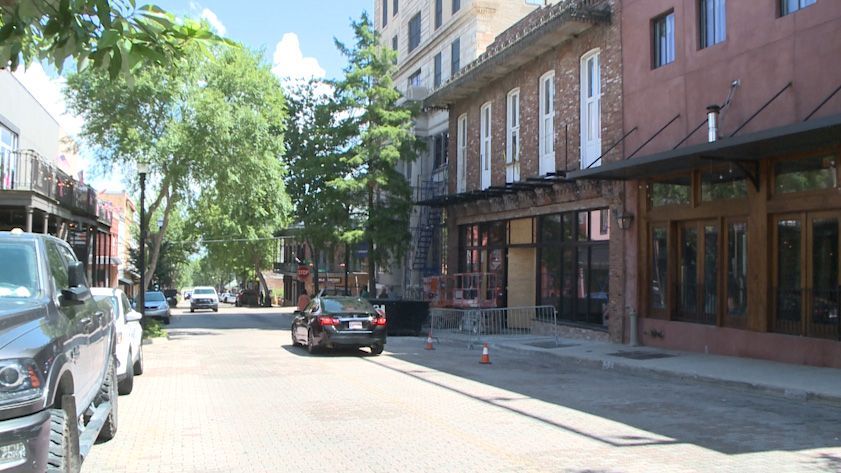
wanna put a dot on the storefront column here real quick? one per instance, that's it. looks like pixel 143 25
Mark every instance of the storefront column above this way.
pixel 46 224
pixel 760 294
pixel 29 212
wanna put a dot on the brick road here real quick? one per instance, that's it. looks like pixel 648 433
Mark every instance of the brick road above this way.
pixel 227 393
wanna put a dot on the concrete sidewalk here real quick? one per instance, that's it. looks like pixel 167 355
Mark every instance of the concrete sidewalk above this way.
pixel 796 381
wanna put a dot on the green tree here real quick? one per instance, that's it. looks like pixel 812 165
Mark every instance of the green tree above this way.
pixel 316 141
pixel 383 137
pixel 108 34
pixel 211 129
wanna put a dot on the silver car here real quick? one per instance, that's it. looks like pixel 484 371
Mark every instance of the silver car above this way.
pixel 156 307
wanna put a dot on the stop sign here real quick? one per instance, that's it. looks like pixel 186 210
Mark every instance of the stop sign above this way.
pixel 303 272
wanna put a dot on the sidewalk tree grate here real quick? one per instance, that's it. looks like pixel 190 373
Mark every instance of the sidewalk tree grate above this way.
pixel 641 355
pixel 551 345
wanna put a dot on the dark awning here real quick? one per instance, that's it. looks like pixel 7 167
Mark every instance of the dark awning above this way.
pixel 750 147
pixel 528 184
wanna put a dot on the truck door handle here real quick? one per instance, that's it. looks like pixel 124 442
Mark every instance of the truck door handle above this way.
pixel 86 321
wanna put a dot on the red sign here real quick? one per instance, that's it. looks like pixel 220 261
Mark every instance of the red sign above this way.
pixel 303 272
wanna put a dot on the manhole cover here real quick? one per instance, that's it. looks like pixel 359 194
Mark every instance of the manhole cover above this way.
pixel 550 345
pixel 641 355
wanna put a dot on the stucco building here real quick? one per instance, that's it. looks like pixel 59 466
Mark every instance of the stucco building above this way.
pixel 732 114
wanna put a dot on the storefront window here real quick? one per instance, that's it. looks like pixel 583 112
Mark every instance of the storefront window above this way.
pixel 710 289
pixel 789 297
pixel 800 175
pixel 825 271
pixel 660 265
pixel 688 271
pixel 674 191
pixel 574 262
pixel 723 184
pixel 737 269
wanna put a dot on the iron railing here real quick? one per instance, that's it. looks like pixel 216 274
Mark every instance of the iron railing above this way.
pixel 807 312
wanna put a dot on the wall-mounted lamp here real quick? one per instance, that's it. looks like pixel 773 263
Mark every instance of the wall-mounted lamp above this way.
pixel 624 220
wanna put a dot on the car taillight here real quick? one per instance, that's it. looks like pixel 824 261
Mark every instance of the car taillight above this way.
pixel 380 321
pixel 325 320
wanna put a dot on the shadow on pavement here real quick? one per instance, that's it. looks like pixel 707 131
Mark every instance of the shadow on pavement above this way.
pixel 724 419
pixel 332 353
pixel 230 321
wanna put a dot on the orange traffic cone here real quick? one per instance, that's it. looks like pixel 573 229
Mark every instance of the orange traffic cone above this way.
pixel 486 359
pixel 428 345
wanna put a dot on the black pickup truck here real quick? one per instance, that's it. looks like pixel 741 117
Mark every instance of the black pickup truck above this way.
pixel 58 384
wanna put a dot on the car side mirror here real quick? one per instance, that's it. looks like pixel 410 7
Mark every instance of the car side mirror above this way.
pixel 78 292
pixel 133 316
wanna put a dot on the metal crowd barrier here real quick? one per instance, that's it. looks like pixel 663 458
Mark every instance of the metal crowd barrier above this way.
pixel 476 326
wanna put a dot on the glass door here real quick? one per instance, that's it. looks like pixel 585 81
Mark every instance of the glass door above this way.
pixel 697 272
pixel 822 252
pixel 788 280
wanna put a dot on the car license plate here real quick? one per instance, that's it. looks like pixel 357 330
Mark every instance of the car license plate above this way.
pixel 355 325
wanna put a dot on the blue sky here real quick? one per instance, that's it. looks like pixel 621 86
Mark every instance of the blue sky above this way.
pixel 263 23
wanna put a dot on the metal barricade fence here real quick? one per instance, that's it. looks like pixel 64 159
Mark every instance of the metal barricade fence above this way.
pixel 475 326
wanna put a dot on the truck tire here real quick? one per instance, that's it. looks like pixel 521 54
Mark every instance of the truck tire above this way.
pixel 127 384
pixel 138 365
pixel 60 457
pixel 108 393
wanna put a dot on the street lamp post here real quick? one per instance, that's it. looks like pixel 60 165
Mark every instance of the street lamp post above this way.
pixel 142 170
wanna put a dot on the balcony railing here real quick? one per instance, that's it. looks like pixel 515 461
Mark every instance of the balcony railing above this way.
pixel 27 171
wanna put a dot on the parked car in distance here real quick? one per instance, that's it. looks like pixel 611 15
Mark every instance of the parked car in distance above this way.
pixel 228 298
pixel 58 376
pixel 156 306
pixel 247 297
pixel 129 347
pixel 339 321
pixel 204 297
pixel 171 297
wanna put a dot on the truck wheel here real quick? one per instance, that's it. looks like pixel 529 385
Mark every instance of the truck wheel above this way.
pixel 138 365
pixel 108 393
pixel 61 457
pixel 127 384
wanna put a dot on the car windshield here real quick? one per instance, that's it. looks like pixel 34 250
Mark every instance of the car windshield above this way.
pixel 204 291
pixel 17 273
pixel 155 297
pixel 335 306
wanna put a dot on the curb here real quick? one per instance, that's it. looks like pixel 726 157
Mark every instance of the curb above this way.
pixel 799 394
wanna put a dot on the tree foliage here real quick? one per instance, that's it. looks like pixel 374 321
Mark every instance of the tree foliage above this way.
pixel 383 137
pixel 317 141
pixel 113 35
pixel 211 129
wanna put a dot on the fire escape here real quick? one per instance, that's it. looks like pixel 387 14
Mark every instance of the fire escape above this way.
pixel 429 219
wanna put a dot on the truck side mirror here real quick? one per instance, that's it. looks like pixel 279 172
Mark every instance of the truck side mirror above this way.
pixel 78 291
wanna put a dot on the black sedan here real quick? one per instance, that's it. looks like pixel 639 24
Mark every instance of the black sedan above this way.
pixel 331 322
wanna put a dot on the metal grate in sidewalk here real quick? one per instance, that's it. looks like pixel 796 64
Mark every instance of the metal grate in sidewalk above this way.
pixel 641 355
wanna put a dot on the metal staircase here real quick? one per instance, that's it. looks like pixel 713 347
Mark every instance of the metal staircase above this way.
pixel 429 219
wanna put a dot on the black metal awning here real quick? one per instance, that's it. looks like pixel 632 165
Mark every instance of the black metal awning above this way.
pixel 528 184
pixel 744 149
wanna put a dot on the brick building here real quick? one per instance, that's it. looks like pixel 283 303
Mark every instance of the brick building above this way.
pixel 732 114
pixel 544 99
pixel 434 39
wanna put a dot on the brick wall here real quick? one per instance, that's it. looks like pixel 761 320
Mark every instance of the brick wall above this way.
pixel 564 59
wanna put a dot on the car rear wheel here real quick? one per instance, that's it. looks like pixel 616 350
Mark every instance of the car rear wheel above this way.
pixel 127 384
pixel 311 346
pixel 377 348
pixel 138 365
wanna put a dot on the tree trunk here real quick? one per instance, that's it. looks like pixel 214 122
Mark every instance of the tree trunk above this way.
pixel 157 239
pixel 372 272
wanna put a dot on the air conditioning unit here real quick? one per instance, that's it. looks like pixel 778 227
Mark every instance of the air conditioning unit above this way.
pixel 416 93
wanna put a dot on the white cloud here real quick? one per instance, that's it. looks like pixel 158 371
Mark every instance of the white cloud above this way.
pixel 48 92
pixel 289 61
pixel 211 18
